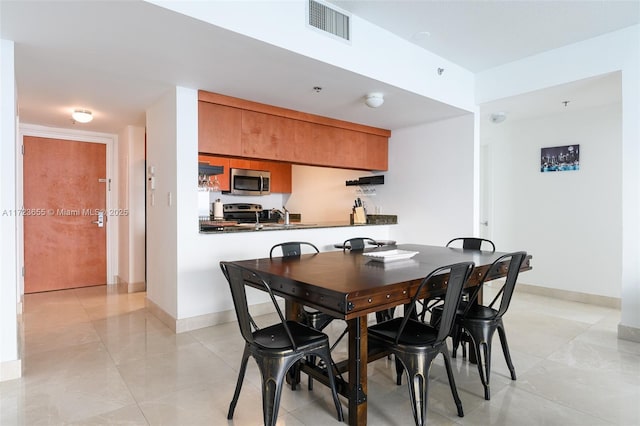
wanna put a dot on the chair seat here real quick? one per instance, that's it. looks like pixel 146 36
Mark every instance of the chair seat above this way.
pixel 275 336
pixel 415 332
pixel 475 312
pixel 479 312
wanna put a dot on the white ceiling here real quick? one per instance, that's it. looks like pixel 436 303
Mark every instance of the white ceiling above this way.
pixel 120 64
pixel 482 34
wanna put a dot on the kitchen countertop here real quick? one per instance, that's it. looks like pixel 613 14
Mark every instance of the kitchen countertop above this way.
pixel 250 227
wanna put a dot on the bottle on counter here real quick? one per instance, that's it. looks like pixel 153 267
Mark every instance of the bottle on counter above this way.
pixel 217 210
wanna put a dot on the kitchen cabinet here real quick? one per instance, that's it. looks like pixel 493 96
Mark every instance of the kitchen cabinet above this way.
pixel 376 152
pixel 240 163
pixel 223 179
pixel 280 175
pixel 266 136
pixel 264 132
pixel 343 147
pixel 219 129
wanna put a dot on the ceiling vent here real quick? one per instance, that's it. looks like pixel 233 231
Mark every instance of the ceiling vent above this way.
pixel 329 20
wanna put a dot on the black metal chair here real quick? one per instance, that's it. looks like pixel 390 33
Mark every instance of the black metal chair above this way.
pixel 358 243
pixel 466 243
pixel 293 248
pixel 275 348
pixel 473 243
pixel 477 323
pixel 313 318
pixel 416 344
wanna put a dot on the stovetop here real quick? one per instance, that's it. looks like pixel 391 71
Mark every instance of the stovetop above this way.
pixel 242 207
pixel 246 213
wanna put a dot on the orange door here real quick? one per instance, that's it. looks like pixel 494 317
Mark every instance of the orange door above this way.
pixel 64 191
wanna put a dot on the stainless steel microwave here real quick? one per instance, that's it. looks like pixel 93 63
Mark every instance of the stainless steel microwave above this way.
pixel 250 182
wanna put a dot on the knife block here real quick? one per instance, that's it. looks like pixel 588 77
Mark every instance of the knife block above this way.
pixel 359 216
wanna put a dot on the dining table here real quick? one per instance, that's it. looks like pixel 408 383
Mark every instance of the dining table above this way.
pixel 351 285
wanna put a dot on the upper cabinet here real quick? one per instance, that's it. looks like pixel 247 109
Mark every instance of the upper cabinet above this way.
pixel 219 129
pixel 266 136
pixel 236 127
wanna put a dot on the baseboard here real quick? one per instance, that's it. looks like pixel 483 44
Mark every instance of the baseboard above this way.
pixel 573 296
pixel 628 333
pixel 166 318
pixel 127 287
pixel 201 321
pixel 10 370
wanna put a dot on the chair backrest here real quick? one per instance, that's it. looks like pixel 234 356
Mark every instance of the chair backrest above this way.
pixel 357 244
pixel 514 262
pixel 237 276
pixel 473 243
pixel 292 248
pixel 458 274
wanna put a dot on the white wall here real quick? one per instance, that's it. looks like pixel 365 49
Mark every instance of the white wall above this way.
pixel 320 194
pixel 431 184
pixel 131 197
pixel 616 51
pixel 566 220
pixel 10 364
pixel 162 148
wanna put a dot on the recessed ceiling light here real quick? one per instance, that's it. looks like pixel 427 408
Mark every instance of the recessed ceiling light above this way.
pixel 82 115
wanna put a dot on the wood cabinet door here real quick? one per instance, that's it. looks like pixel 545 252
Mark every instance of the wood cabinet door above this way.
pixel 214 160
pixel 353 149
pixel 280 174
pixel 219 129
pixel 267 136
pixel 239 163
pixel 324 146
pixel 377 152
pixel 304 149
pixel 337 147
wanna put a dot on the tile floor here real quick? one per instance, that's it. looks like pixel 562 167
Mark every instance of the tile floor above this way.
pixel 93 356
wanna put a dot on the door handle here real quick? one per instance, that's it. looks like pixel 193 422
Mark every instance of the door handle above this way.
pixel 100 221
pixel 485 223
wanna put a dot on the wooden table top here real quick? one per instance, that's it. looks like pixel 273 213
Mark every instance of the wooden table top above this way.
pixel 348 285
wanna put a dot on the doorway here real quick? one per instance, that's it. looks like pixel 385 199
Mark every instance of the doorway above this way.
pixel 66 222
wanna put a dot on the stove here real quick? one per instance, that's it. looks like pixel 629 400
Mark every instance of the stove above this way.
pixel 246 213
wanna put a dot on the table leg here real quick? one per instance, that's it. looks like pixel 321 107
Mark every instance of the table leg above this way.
pixel 357 371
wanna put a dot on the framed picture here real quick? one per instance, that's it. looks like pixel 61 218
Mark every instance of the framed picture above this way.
pixel 560 158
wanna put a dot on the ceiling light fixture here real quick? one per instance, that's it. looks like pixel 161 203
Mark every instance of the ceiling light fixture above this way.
pixel 374 100
pixel 82 115
pixel 498 117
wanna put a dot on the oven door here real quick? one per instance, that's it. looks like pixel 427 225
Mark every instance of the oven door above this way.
pixel 250 182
